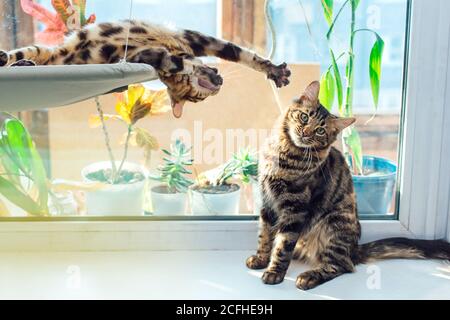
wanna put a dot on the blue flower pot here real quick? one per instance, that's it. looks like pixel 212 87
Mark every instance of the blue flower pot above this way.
pixel 374 192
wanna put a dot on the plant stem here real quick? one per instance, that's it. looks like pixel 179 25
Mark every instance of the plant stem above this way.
pixel 125 152
pixel 348 109
pixel 107 139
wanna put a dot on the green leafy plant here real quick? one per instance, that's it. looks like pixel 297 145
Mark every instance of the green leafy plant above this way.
pixel 332 80
pixel 173 173
pixel 23 179
pixel 242 165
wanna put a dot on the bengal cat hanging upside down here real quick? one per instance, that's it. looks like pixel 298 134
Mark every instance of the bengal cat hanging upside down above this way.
pixel 173 54
pixel 309 207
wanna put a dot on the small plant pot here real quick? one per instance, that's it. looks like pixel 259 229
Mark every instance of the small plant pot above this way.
pixel 221 200
pixel 166 203
pixel 125 199
pixel 375 190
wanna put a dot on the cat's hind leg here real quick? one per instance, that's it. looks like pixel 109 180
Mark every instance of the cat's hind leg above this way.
pixel 330 247
pixel 23 63
pixel 38 54
pixel 4 58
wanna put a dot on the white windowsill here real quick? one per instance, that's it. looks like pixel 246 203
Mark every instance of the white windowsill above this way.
pixel 202 275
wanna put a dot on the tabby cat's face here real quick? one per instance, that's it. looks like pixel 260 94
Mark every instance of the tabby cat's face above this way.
pixel 309 124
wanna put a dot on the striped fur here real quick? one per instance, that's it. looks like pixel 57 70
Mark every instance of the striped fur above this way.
pixel 309 207
pixel 173 54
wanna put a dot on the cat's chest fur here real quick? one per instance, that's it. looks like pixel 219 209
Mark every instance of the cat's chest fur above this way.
pixel 283 175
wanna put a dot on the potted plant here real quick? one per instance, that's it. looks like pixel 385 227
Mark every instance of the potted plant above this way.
pixel 373 177
pixel 170 198
pixel 23 179
pixel 215 194
pixel 125 181
pixel 24 185
pixel 245 166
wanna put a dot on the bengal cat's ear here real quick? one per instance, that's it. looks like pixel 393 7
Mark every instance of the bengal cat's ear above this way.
pixel 311 94
pixel 177 108
pixel 342 123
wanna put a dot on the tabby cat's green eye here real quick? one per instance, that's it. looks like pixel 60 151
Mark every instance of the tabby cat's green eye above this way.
pixel 304 117
pixel 320 131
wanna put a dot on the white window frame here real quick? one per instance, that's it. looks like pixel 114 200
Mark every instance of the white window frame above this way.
pixel 424 190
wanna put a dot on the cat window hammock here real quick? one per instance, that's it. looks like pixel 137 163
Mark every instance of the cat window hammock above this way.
pixel 28 88
pixel 41 87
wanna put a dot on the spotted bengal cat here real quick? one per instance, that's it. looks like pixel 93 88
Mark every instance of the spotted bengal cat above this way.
pixel 309 208
pixel 172 53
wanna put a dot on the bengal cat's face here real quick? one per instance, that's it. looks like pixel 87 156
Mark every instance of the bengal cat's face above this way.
pixel 204 82
pixel 310 125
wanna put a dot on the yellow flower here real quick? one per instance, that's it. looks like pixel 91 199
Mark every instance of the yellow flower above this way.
pixel 95 122
pixel 137 102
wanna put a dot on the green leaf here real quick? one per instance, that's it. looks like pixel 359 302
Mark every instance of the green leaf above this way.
pixel 376 57
pixel 330 30
pixel 353 141
pixel 9 166
pixel 20 142
pixel 355 4
pixel 327 6
pixel 17 142
pixel 327 90
pixel 10 192
pixel 338 79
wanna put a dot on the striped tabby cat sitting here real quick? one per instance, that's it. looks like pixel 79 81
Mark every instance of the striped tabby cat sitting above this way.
pixel 174 55
pixel 309 207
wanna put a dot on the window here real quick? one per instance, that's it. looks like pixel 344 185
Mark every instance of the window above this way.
pixel 225 124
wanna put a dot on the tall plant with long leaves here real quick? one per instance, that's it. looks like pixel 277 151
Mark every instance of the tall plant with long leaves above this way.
pixel 23 179
pixel 332 80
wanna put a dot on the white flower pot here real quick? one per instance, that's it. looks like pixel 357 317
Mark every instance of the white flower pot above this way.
pixel 168 204
pixel 117 199
pixel 215 204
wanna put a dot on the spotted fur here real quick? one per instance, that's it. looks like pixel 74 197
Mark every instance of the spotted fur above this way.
pixel 309 207
pixel 172 53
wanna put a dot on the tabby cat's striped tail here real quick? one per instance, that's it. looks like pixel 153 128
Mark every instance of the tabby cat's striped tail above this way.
pixel 402 248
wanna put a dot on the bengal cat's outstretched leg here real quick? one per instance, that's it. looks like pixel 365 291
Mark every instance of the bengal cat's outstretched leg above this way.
pixel 265 240
pixel 163 61
pixel 37 54
pixel 203 45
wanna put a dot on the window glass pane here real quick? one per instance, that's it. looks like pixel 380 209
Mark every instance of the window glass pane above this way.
pixel 74 149
pixel 302 36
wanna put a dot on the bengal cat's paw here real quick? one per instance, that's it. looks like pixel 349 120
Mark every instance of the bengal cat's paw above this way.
pixel 254 262
pixel 279 74
pixel 270 277
pixel 23 63
pixel 4 58
pixel 308 280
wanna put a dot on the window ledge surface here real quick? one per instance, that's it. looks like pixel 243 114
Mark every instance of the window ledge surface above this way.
pixel 202 275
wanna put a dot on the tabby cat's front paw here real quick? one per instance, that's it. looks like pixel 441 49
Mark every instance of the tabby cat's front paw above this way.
pixel 270 277
pixel 23 63
pixel 308 280
pixel 4 58
pixel 255 262
pixel 279 74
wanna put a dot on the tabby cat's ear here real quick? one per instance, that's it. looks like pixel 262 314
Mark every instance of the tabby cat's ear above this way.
pixel 177 108
pixel 342 123
pixel 311 93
